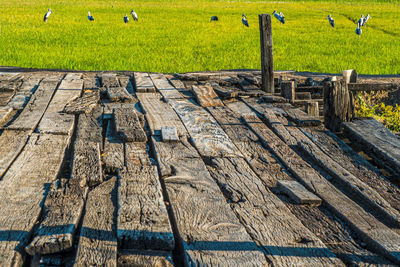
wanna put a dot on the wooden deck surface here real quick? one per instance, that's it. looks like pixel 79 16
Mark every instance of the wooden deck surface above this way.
pixel 200 169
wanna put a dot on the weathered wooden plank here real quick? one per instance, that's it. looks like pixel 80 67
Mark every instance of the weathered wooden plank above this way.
pixel 65 202
pixel 143 83
pixel 373 86
pixel 224 93
pixel 142 216
pixel 54 120
pixel 207 135
pixel 33 112
pixel 312 108
pixel 109 80
pixel 303 95
pixel 97 241
pixel 275 228
pixel 301 118
pixel 5 97
pixel 164 87
pixel 209 230
pixel 119 94
pixel 22 191
pixel 145 258
pixel 276 125
pixel 90 82
pixel 274 99
pixel 128 125
pixel 113 152
pixel 206 97
pixel 159 114
pixel 180 86
pixel 137 154
pixel 375 139
pixel 83 104
pixel 11 144
pixel 169 134
pixel 126 83
pixel 89 127
pixel 288 90
pixel 298 193
pixel 8 75
pixel 108 108
pixel 5 114
pixel 376 235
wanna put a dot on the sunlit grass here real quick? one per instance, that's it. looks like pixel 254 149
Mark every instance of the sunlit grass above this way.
pixel 176 36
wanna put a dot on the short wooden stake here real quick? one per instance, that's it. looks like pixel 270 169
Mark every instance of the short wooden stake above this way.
pixel 312 109
pixel 288 90
pixel 267 66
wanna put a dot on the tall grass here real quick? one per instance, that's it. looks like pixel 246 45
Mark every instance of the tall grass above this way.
pixel 176 36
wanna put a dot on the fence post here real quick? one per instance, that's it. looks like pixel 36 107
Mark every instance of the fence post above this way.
pixel 267 66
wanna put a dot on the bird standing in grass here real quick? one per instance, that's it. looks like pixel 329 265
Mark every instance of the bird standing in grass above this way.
pixel 279 17
pixel 244 21
pixel 358 30
pixel 361 20
pixel 90 17
pixel 331 21
pixel 215 19
pixel 134 15
pixel 47 15
pixel 126 19
pixel 367 17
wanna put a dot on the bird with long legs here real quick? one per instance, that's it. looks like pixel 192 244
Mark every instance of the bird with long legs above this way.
pixel 244 20
pixel 47 15
pixel 134 15
pixel 90 17
pixel 331 21
pixel 126 19
pixel 367 17
pixel 358 30
pixel 279 17
pixel 215 19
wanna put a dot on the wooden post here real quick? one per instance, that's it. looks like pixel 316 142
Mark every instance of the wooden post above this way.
pixel 288 90
pixel 312 109
pixel 267 66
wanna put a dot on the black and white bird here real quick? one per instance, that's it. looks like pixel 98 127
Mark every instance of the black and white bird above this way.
pixel 331 21
pixel 47 15
pixel 279 17
pixel 358 30
pixel 134 15
pixel 367 17
pixel 244 21
pixel 126 19
pixel 90 17
pixel 361 20
pixel 215 19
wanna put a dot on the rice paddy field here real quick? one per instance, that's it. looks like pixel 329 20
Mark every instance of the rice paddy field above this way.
pixel 177 36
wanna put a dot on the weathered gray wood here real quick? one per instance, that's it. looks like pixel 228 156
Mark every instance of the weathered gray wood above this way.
pixel 211 234
pixel 159 114
pixel 33 112
pixel 350 76
pixel 298 193
pixel 128 125
pixel 248 86
pixel 224 93
pixel 83 104
pixel 87 163
pixel 54 120
pixel 373 86
pixel 5 114
pixel 288 90
pixel 167 90
pixel 89 128
pixel 169 134
pixel 380 144
pixel 22 191
pixel 376 235
pixel 338 106
pixel 312 109
pixel 143 83
pixel 273 99
pixel 11 144
pixel 125 82
pixel 119 94
pixel 145 258
pixel 113 152
pixel 207 135
pixel 276 125
pixel 303 95
pixel 301 118
pixel 90 82
pixel 142 216
pixel 275 228
pixel 109 80
pixel 180 86
pixel 136 154
pixel 97 241
pixel 108 108
pixel 267 66
pixel 205 95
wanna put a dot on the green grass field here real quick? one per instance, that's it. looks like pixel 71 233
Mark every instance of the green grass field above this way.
pixel 176 36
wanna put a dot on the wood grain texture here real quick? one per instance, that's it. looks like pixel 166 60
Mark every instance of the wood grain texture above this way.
pixel 267 65
pixel 89 126
pixel 163 86
pixel 288 90
pixel 210 232
pixel 33 112
pixel 223 92
pixel 98 241
pixel 206 97
pixel 380 144
pixel 373 86
pixel 142 216
pixel 113 152
pixel 11 144
pixel 376 235
pixel 5 114
pixel 109 80
pixel 54 120
pixel 126 83
pixel 298 193
pixel 160 114
pixel 145 258
pixel 180 86
pixel 207 135
pixel 300 117
pixel 169 134
pixel 83 104
pixel 119 94
pixel 275 228
pixel 22 191
pixel 128 125
pixel 143 83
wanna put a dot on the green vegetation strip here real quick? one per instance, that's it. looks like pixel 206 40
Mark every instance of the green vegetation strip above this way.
pixel 177 36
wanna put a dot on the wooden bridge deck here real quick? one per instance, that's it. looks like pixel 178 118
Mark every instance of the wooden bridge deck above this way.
pixel 203 169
